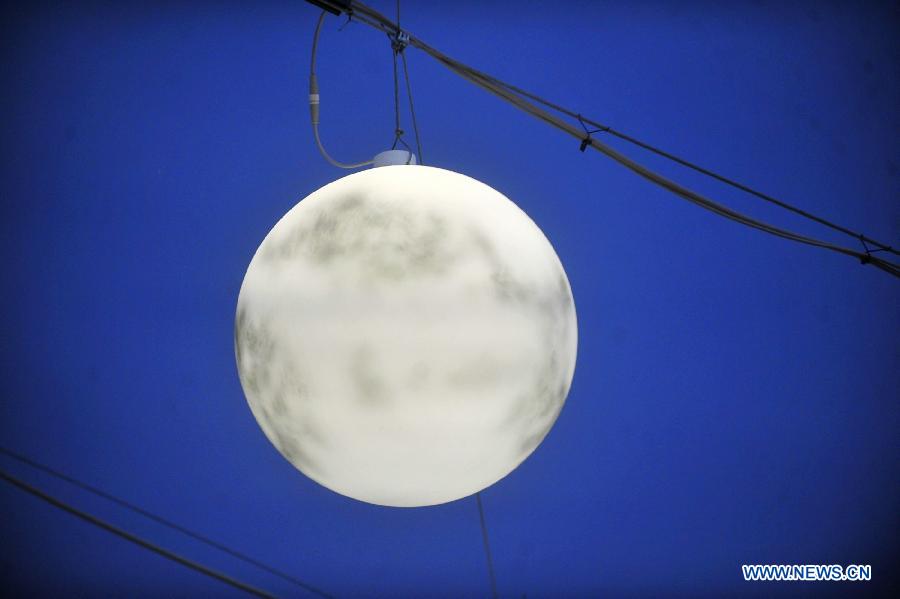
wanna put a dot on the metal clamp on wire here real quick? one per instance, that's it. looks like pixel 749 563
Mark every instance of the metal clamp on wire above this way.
pixel 587 139
pixel 399 41
pixel 869 251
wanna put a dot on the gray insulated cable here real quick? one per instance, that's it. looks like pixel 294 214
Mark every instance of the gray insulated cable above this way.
pixel 314 104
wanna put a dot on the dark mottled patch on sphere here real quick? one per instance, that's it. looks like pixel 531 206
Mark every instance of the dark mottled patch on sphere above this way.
pixel 274 389
pixel 504 285
pixel 290 449
pixel 389 241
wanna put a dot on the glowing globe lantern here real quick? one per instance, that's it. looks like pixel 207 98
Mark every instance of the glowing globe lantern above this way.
pixel 405 336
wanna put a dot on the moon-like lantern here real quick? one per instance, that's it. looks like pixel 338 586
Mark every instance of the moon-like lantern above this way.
pixel 405 336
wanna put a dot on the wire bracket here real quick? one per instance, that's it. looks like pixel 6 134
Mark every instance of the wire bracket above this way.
pixel 399 41
pixel 869 251
pixel 586 141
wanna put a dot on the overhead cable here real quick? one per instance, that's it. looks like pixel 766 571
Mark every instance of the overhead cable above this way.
pixel 133 538
pixel 668 155
pixel 160 520
pixel 520 99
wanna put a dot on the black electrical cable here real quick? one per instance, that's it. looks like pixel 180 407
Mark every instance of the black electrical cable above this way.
pixel 517 97
pixel 695 167
pixel 133 538
pixel 681 191
pixel 487 546
pixel 160 520
pixel 646 146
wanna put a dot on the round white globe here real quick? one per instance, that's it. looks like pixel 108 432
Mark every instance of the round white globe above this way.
pixel 405 336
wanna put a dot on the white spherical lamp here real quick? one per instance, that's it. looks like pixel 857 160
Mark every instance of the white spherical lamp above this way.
pixel 405 336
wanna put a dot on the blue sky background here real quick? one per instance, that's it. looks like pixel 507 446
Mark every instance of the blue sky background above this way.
pixel 735 399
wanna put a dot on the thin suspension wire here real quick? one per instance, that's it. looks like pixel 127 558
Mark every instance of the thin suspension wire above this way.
pixel 314 104
pixel 398 132
pixel 412 109
pixel 398 44
pixel 160 520
pixel 487 546
pixel 133 538
pixel 373 18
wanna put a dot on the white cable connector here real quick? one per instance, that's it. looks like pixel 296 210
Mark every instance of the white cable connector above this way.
pixel 314 108
pixel 314 99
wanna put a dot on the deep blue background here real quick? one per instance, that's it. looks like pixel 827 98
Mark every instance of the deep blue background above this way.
pixel 735 399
